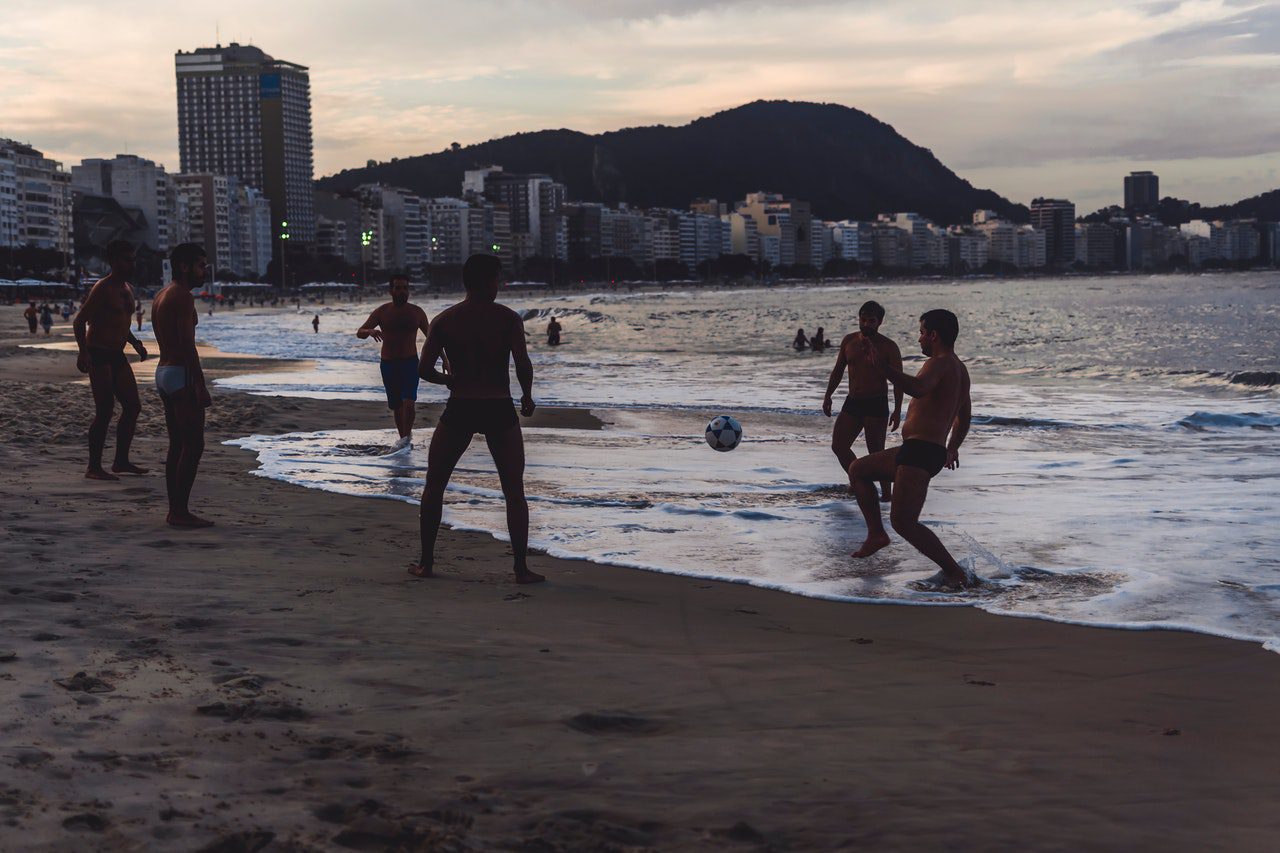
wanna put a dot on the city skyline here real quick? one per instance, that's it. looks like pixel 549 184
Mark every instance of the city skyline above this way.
pixel 1027 100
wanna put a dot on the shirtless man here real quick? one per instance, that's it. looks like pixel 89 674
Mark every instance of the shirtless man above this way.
pixel 867 405
pixel 941 407
pixel 395 325
pixel 481 338
pixel 102 330
pixel 180 380
pixel 33 317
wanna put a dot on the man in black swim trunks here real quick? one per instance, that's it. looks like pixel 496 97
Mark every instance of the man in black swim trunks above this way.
pixel 867 405
pixel 940 407
pixel 481 338
pixel 395 325
pixel 102 330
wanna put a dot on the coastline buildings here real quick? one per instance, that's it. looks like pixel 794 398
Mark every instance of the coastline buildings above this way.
pixel 243 114
pixel 35 199
pixel 1056 217
pixel 1141 193
pixel 138 185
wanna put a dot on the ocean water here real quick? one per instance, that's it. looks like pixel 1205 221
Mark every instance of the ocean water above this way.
pixel 1123 468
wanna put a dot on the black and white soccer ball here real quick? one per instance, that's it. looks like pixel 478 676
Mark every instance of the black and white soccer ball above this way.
pixel 724 433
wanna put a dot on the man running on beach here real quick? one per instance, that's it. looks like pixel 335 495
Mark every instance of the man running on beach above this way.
pixel 102 330
pixel 866 408
pixel 481 338
pixel 395 325
pixel 941 407
pixel 180 380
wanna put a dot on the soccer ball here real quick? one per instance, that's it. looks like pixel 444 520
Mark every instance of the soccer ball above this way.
pixel 724 433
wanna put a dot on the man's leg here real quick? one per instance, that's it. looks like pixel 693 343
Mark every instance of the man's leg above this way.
pixel 104 396
pixel 397 412
pixel 507 449
pixel 405 417
pixel 126 391
pixel 862 476
pixel 843 434
pixel 911 486
pixel 877 429
pixel 187 434
pixel 447 447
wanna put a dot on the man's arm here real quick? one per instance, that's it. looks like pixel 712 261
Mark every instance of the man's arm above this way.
pixel 833 382
pixel 431 352
pixel 425 325
pixel 80 326
pixel 895 362
pixel 128 330
pixel 960 428
pixel 524 367
pixel 369 329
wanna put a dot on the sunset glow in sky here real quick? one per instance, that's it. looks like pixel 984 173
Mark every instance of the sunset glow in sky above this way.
pixel 1027 98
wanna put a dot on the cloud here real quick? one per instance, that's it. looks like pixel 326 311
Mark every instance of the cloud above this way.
pixel 997 91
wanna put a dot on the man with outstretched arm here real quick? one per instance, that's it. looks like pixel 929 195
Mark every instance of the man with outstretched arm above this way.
pixel 180 380
pixel 480 338
pixel 102 330
pixel 395 325
pixel 867 405
pixel 940 407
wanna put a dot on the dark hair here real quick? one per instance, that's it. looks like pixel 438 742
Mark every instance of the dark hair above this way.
pixel 943 322
pixel 118 249
pixel 186 254
pixel 480 271
pixel 873 308
pixel 397 276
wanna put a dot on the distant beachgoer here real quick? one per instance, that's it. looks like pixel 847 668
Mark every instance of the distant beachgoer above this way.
pixel 33 317
pixel 395 325
pixel 180 380
pixel 102 330
pixel 553 332
pixel 867 405
pixel 46 319
pixel 315 324
pixel 66 311
pixel 800 341
pixel 481 339
pixel 819 341
pixel 138 314
pixel 941 407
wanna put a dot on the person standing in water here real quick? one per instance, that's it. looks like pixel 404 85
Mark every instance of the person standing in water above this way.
pixel 481 338
pixel 937 424
pixel 866 408
pixel 553 332
pixel 315 324
pixel 395 325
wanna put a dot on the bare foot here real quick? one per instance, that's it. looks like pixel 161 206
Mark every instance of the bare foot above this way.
pixel 873 544
pixel 127 468
pixel 527 576
pixel 942 582
pixel 186 520
pixel 98 474
pixel 420 570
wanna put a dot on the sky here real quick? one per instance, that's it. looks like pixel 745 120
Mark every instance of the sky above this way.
pixel 1027 98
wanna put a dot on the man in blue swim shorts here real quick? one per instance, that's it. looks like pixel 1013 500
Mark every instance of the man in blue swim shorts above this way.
pixel 395 325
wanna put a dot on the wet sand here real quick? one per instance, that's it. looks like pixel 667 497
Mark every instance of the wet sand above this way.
pixel 279 678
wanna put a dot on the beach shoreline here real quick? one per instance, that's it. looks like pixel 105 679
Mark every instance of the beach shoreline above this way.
pixel 280 675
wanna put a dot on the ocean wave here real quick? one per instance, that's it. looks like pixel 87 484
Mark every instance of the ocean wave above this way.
pixel 543 313
pixel 1028 423
pixel 1226 420
pixel 1256 378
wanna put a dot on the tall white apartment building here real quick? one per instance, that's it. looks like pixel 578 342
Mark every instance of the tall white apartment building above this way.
pixel 35 199
pixel 447 226
pixel 855 241
pixel 918 229
pixel 394 215
pixel 208 203
pixel 137 184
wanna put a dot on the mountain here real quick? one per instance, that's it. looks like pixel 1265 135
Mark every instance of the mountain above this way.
pixel 846 163
pixel 1265 207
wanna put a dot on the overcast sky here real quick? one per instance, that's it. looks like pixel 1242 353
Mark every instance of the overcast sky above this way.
pixel 1026 97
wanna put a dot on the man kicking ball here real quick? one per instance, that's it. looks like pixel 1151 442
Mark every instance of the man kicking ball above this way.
pixel 395 325
pixel 481 338
pixel 940 407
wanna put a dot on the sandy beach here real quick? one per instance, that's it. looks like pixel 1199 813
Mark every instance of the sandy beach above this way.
pixel 278 682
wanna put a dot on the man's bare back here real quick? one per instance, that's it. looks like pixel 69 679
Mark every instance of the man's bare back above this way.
pixel 478 339
pixel 175 337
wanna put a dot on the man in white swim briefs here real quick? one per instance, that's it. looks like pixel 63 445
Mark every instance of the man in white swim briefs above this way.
pixel 180 380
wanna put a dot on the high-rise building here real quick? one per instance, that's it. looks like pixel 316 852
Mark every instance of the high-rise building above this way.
pixel 208 203
pixel 35 199
pixel 246 115
pixel 1141 192
pixel 1056 217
